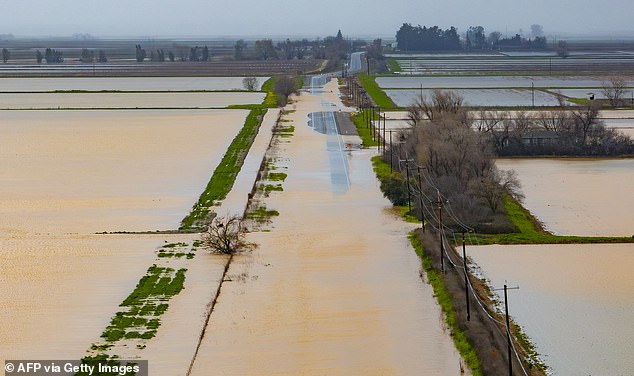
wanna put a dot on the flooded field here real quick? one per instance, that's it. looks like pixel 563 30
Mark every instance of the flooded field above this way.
pixel 126 100
pixel 497 64
pixel 59 292
pixel 466 82
pixel 90 171
pixel 480 97
pixel 65 175
pixel 123 83
pixel 580 196
pixel 574 301
pixel 319 297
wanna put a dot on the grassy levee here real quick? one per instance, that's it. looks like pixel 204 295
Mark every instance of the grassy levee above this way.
pixel 378 95
pixel 393 65
pixel 225 174
pixel 530 231
pixel 364 132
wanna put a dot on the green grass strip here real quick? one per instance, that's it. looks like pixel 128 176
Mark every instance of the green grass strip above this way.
pixel 225 174
pixel 364 131
pixel 530 231
pixel 393 65
pixel 378 95
pixel 460 340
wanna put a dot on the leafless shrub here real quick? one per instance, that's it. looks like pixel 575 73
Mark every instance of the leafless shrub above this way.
pixel 250 83
pixel 226 235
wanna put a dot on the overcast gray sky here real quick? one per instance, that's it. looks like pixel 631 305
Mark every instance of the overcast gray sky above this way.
pixel 301 17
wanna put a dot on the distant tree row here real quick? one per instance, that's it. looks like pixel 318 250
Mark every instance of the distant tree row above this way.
pixel 88 56
pixel 195 54
pixel 332 48
pixel 422 38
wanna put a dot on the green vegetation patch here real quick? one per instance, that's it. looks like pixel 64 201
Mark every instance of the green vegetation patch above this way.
pixel 531 231
pixel 378 95
pixel 271 187
pixel 145 305
pixel 176 250
pixel 277 176
pixel 364 131
pixel 262 214
pixel 393 65
pixel 225 174
pixel 463 345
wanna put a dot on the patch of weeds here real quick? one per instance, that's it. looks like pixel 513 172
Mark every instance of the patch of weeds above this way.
pixel 101 347
pixel 262 214
pixel 141 320
pixel 174 245
pixel 277 176
pixel 270 188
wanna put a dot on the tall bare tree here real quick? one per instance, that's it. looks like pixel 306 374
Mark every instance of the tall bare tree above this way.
pixel 614 90
pixel 250 83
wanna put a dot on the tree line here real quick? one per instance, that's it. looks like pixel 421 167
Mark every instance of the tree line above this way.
pixel 454 151
pixel 423 38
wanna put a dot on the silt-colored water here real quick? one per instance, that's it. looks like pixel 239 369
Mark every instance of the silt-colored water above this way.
pixel 334 288
pixel 585 196
pixel 575 302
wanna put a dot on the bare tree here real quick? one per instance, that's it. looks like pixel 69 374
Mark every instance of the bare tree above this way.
pixel 614 90
pixel 250 83
pixel 285 86
pixel 226 235
pixel 585 118
pixel 492 187
pixel 440 104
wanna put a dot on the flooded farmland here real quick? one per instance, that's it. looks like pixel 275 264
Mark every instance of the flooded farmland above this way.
pixel 480 97
pixel 65 175
pixel 126 100
pixel 491 82
pixel 578 196
pixel 44 84
pixel 575 300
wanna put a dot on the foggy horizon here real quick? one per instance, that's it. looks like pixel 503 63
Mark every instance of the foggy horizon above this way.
pixel 277 19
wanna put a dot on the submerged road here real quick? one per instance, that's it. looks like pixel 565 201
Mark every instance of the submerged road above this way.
pixel 334 287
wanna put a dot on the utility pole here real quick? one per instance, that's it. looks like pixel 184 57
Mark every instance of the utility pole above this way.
pixel 509 343
pixel 384 126
pixel 367 59
pixel 533 92
pixel 409 191
pixel 466 276
pixel 420 199
pixel 440 232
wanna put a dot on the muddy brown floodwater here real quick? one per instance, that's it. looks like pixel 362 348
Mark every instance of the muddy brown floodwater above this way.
pixel 334 287
pixel 65 175
pixel 578 196
pixel 575 301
